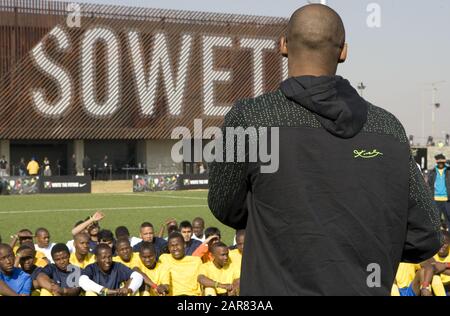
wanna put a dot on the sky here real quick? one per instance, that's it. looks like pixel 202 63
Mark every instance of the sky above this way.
pixel 397 61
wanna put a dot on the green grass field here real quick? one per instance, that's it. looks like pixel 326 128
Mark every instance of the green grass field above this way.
pixel 58 213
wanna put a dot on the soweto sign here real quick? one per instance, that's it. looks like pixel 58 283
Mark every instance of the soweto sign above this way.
pixel 141 74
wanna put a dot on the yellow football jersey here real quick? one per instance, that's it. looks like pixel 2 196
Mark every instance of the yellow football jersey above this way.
pixel 155 274
pixel 445 278
pixel 90 258
pixel 40 260
pixel 225 275
pixel 135 261
pixel 181 275
pixel 236 260
pixel 405 274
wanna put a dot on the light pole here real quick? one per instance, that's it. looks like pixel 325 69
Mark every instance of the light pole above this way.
pixel 434 105
pixel 423 115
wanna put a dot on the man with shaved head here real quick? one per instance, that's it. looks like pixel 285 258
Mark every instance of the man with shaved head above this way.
pixel 81 257
pixel 346 202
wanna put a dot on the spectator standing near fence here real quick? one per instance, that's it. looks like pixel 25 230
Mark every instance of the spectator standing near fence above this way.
pixel 87 166
pixel 3 167
pixel 105 166
pixel 47 169
pixel 33 167
pixel 439 182
pixel 201 168
pixel 73 165
pixel 22 168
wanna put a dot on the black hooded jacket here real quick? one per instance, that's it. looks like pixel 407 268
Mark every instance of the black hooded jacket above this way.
pixel 346 204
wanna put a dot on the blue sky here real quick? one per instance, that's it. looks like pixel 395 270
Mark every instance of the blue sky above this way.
pixel 397 62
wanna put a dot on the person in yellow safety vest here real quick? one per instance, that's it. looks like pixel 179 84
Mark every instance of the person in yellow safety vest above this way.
pixel 33 167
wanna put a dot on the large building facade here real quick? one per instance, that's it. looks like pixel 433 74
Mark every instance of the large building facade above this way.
pixel 90 80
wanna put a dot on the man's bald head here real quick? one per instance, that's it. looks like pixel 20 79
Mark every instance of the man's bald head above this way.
pixel 316 27
pixel 316 30
pixel 81 236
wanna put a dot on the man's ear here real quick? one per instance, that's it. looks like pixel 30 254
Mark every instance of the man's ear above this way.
pixel 283 46
pixel 343 55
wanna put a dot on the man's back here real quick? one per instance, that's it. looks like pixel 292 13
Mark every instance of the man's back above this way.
pixel 334 207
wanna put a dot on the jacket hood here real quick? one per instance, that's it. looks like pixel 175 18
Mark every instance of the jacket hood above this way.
pixel 336 104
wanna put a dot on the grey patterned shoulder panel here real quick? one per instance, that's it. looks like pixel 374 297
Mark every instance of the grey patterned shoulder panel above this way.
pixel 274 109
pixel 383 122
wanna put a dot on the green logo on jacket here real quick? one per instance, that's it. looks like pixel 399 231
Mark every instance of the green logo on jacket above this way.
pixel 367 154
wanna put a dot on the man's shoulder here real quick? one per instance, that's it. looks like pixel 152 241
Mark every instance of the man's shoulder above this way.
pixel 234 251
pixel 20 274
pixel 116 265
pixel 159 241
pixel 92 268
pixel 137 247
pixel 381 121
pixel 165 257
pixel 193 259
pixel 264 100
pixel 35 272
pixel 271 96
pixel 135 240
pixel 90 257
pixel 246 109
pixel 197 260
pixel 208 266
pixel 195 242
pixel 379 112
pixel 49 268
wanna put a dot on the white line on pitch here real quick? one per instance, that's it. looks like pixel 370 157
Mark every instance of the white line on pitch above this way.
pixel 104 209
pixel 165 196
